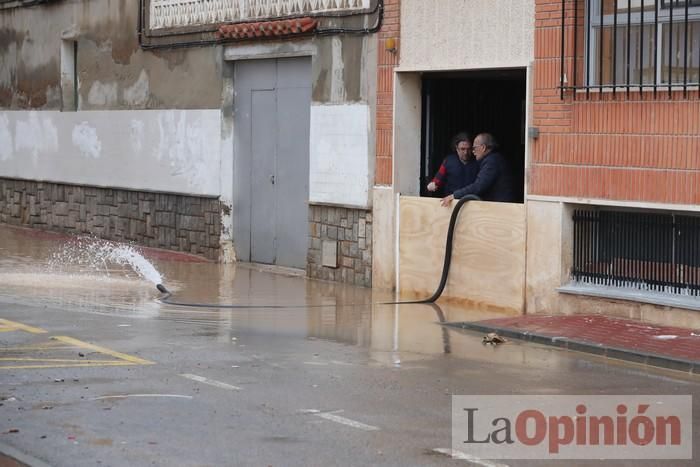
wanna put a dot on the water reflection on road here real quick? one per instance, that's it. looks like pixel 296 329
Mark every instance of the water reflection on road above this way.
pixel 394 335
pixel 312 309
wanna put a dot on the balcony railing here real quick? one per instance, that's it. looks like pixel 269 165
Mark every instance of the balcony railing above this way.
pixel 184 13
pixel 9 4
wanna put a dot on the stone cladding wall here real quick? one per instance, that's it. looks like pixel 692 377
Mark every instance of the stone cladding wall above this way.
pixel 184 223
pixel 348 232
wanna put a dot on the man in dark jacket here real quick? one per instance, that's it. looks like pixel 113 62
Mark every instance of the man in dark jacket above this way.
pixel 493 180
pixel 458 169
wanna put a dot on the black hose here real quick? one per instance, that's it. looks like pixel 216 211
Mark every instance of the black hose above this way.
pixel 167 294
pixel 448 253
pixel 438 292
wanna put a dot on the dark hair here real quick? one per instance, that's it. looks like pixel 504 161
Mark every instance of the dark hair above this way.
pixel 488 140
pixel 459 137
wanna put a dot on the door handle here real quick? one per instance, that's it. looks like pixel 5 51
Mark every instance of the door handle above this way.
pixel 272 179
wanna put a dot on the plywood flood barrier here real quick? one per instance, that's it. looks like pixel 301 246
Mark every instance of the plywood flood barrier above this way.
pixel 488 256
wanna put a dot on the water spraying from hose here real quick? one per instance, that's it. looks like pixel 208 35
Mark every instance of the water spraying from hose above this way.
pixel 93 255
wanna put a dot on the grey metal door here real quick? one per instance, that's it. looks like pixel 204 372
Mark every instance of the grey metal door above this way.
pixel 272 100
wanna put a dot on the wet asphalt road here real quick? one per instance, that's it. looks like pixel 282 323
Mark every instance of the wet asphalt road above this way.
pixel 361 385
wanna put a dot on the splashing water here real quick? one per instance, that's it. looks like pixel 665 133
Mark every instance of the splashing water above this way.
pixel 96 255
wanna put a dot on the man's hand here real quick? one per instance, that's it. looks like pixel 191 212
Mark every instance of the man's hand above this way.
pixel 432 186
pixel 445 202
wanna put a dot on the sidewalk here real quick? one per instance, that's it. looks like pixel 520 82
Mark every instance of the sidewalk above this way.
pixel 635 341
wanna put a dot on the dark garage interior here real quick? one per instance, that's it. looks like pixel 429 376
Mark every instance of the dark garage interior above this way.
pixel 491 101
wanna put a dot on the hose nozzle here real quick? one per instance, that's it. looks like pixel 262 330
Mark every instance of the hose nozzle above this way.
pixel 161 288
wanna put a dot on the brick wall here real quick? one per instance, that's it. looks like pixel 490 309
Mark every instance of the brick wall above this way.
pixel 176 222
pixel 386 62
pixel 639 147
pixel 349 232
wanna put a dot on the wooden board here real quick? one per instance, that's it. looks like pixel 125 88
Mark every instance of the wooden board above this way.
pixel 488 256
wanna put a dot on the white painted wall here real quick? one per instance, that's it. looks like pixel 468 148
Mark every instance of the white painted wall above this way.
pixel 161 150
pixel 339 154
pixel 407 133
pixel 384 238
pixel 466 34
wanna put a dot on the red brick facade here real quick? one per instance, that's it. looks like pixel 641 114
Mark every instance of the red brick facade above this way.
pixel 641 147
pixel 386 62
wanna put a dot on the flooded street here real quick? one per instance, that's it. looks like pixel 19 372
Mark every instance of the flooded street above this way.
pixel 96 371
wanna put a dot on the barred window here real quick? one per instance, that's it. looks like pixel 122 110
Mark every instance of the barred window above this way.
pixel 633 44
pixel 643 250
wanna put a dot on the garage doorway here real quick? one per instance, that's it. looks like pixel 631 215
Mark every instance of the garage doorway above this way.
pixel 272 102
pixel 491 101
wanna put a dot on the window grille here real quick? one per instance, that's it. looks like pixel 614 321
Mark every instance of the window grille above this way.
pixel 647 251
pixel 628 45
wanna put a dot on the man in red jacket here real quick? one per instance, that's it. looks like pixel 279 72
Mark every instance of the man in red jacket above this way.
pixel 458 169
